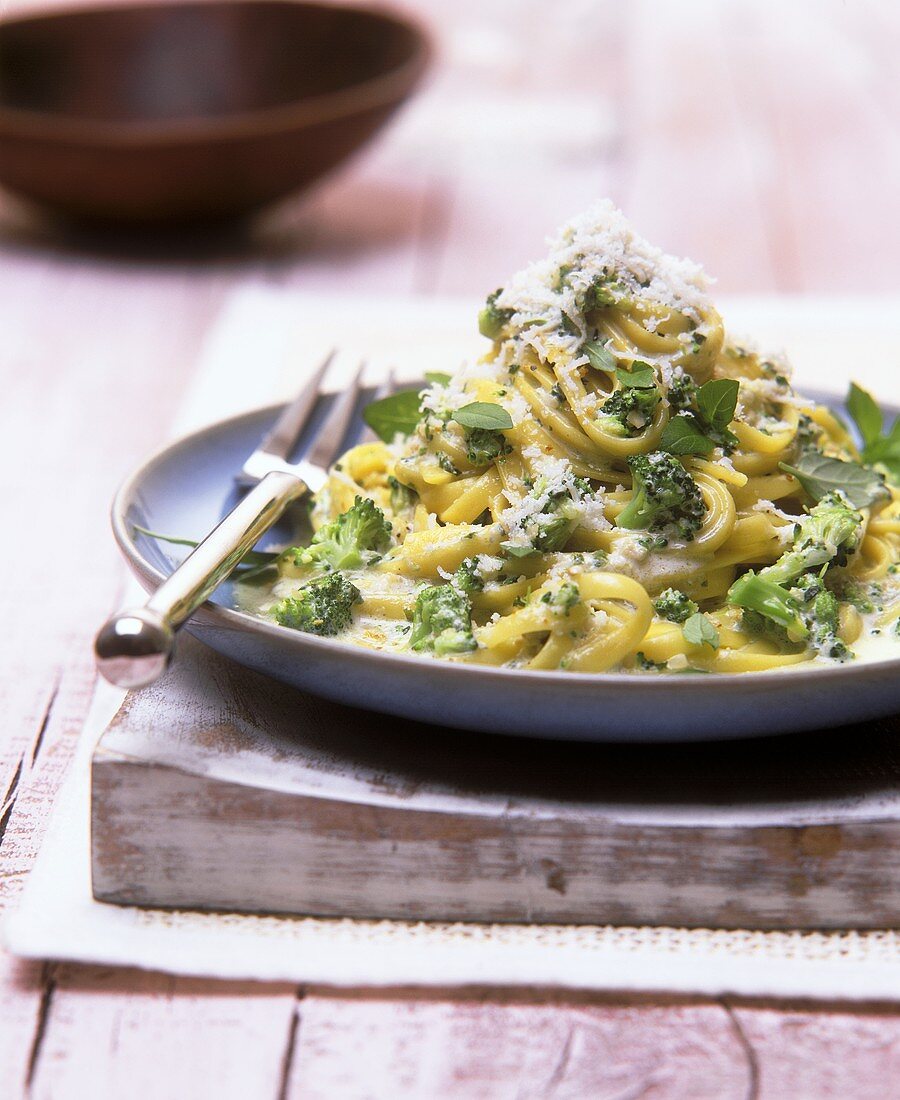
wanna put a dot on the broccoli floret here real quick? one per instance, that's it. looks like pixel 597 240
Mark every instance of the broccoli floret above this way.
pixel 627 411
pixel 402 496
pixel 350 540
pixel 823 619
pixel 484 445
pixel 681 393
pixel 663 494
pixel 826 536
pixel 769 608
pixel 789 596
pixel 809 434
pixel 600 292
pixel 320 607
pixel 555 533
pixel 442 621
pixel 563 599
pixel 467 578
pixel 807 613
pixel 492 319
pixel 674 606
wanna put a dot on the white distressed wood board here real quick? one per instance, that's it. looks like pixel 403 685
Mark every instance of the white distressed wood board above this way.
pixel 218 789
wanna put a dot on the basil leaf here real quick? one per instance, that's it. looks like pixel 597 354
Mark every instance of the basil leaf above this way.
pixel 698 630
pixel 682 436
pixel 517 551
pixel 641 377
pixel 866 414
pixel 395 415
pixel 820 474
pixel 716 402
pixel 257 559
pixel 599 356
pixel 438 377
pixel 483 414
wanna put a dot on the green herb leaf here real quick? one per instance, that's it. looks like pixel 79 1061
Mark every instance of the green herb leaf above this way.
pixel 698 630
pixel 395 415
pixel 483 414
pixel 253 559
pixel 716 402
pixel 682 436
pixel 866 414
pixel 820 474
pixel 640 377
pixel 599 356
pixel 438 377
pixel 878 446
pixel 517 551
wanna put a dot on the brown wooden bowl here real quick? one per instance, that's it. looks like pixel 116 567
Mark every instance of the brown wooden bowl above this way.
pixel 193 112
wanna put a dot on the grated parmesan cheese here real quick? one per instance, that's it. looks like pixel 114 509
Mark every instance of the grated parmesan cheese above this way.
pixel 598 244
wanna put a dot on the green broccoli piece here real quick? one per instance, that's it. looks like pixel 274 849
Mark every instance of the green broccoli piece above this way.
pixel 600 292
pixel 789 596
pixel 826 536
pixel 484 445
pixel 555 533
pixel 492 319
pixel 351 540
pixel 674 606
pixel 402 496
pixel 321 607
pixel 823 620
pixel 467 578
pixel 663 494
pixel 769 608
pixel 809 434
pixel 563 599
pixel 682 393
pixel 627 411
pixel 442 621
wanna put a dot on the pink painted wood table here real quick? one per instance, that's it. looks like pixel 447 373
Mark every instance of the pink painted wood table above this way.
pixel 761 140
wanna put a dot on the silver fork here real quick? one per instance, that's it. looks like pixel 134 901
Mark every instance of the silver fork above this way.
pixel 134 647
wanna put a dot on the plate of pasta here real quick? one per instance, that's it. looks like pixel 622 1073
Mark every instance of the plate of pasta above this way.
pixel 620 522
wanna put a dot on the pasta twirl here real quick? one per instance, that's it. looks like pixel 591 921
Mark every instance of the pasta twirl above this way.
pixel 616 484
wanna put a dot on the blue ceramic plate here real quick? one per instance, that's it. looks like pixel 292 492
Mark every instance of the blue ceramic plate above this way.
pixel 186 488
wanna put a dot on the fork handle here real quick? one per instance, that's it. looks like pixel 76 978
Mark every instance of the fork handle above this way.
pixel 134 647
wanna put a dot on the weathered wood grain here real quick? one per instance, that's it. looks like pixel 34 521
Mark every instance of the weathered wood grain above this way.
pixel 218 789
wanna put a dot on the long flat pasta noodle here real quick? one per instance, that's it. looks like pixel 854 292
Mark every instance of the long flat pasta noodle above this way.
pixel 517 487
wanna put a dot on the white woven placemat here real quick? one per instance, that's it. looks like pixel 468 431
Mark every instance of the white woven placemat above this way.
pixel 58 917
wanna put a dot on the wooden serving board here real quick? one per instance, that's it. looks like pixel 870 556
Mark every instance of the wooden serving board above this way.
pixel 220 789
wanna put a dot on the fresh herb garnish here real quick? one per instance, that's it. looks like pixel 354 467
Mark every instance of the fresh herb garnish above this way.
pixel 516 551
pixel 640 377
pixel 254 559
pixel 698 630
pixel 716 402
pixel 822 474
pixel 483 414
pixel 878 445
pixel 438 378
pixel 599 356
pixel 683 436
pixel 698 432
pixel 395 415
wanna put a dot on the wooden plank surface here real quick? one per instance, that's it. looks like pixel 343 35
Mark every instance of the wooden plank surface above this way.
pixel 760 139
pixel 309 807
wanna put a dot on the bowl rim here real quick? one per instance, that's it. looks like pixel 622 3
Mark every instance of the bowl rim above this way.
pixel 232 619
pixel 370 94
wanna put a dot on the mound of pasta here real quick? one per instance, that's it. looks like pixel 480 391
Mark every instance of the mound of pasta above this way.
pixel 616 485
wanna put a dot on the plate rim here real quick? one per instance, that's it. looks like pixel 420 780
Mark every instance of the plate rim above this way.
pixel 231 618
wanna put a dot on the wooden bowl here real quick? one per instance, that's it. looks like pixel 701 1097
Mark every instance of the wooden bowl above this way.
pixel 173 113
